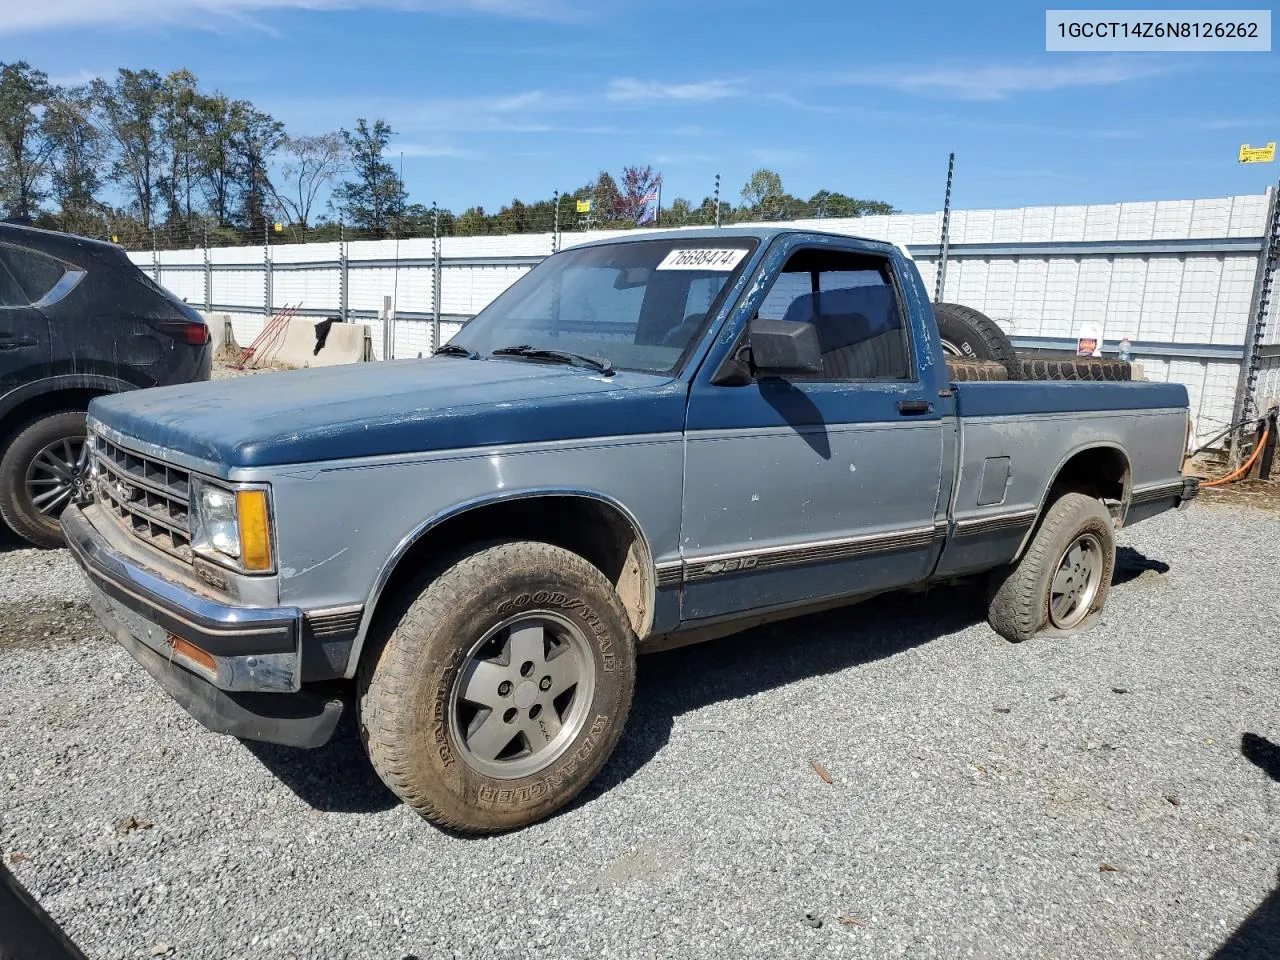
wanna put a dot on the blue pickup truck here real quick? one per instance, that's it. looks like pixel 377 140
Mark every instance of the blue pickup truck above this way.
pixel 642 443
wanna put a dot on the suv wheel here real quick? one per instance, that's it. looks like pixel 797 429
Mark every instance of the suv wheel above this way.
pixel 44 469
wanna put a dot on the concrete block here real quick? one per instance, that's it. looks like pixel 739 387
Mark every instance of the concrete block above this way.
pixel 295 346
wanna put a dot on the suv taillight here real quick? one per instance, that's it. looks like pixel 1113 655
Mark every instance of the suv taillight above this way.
pixel 190 332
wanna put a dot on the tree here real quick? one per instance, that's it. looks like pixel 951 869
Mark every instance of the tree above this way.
pixel 219 118
pixel 472 222
pixel 706 212
pixel 761 187
pixel 78 152
pixel 180 125
pixel 825 203
pixel 24 148
pixel 606 198
pixel 310 165
pixel 679 214
pixel 637 183
pixel 418 221
pixel 132 108
pixel 255 137
pixel 376 196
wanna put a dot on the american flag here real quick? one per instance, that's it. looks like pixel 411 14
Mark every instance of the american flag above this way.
pixel 652 201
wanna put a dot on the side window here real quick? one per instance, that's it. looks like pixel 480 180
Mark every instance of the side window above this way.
pixel 850 299
pixel 11 294
pixel 26 276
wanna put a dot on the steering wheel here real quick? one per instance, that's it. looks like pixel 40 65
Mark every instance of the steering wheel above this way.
pixel 677 336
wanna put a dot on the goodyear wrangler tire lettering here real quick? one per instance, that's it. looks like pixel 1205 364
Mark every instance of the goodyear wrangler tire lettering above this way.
pixel 418 713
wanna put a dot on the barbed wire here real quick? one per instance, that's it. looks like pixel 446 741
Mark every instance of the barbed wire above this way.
pixel 199 233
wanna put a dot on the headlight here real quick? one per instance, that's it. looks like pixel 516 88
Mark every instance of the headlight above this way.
pixel 231 526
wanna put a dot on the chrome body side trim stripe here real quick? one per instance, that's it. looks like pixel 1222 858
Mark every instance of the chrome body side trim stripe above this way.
pixel 975 526
pixel 670 573
pixel 819 551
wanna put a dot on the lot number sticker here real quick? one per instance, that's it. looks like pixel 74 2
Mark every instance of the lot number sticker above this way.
pixel 703 258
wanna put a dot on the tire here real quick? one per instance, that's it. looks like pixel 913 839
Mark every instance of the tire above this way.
pixel 969 334
pixel 443 753
pixel 1073 368
pixel 26 476
pixel 1021 602
pixel 961 371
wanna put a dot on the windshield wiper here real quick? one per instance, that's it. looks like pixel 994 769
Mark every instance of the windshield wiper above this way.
pixel 455 350
pixel 556 356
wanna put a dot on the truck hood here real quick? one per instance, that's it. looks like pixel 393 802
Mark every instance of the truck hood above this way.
pixel 380 409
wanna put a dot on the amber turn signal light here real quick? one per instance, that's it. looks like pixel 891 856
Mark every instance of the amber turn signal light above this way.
pixel 255 530
pixel 185 648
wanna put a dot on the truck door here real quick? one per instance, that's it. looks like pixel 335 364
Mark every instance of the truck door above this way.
pixel 803 489
pixel 24 331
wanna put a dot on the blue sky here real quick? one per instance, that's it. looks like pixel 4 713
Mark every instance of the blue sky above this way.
pixel 495 99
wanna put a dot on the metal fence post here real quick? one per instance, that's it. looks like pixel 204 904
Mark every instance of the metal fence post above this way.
pixel 555 224
pixel 342 271
pixel 266 270
pixel 387 321
pixel 1258 309
pixel 435 277
pixel 208 275
pixel 155 257
pixel 717 201
pixel 945 241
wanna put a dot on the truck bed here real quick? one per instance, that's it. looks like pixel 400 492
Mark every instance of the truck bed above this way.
pixel 1014 437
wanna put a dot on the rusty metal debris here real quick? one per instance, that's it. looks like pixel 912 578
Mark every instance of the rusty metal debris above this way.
pixel 821 771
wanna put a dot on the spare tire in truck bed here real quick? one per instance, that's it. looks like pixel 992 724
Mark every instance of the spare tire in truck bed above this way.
pixel 961 371
pixel 968 334
pixel 1031 367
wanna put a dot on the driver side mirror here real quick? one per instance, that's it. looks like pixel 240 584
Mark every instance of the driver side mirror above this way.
pixel 782 347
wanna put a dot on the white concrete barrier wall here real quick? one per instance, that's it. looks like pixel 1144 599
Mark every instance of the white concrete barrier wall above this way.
pixel 1195 299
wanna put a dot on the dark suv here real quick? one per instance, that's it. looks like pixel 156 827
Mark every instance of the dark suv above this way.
pixel 77 320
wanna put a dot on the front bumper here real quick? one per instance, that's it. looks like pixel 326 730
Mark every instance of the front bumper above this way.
pixel 253 687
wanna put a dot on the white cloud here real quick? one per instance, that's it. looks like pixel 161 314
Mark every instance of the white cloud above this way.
pixel 631 90
pixel 1231 123
pixel 214 14
pixel 962 81
pixel 77 79
pixel 777 156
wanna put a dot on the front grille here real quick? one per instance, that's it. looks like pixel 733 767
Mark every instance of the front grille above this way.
pixel 149 497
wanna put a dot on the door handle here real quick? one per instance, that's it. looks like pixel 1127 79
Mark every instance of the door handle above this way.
pixel 914 407
pixel 17 342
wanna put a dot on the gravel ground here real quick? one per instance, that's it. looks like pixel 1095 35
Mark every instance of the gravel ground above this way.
pixel 1091 797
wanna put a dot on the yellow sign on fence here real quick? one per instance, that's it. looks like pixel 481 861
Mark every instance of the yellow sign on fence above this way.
pixel 584 206
pixel 1265 154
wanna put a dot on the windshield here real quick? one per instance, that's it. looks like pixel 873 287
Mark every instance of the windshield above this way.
pixel 640 305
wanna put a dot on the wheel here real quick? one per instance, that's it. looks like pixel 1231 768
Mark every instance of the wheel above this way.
pixel 969 334
pixel 960 371
pixel 1060 583
pixel 501 690
pixel 44 469
pixel 1073 368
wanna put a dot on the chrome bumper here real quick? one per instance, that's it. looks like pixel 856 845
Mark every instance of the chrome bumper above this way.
pixel 253 649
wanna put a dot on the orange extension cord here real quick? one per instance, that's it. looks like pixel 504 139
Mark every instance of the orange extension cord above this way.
pixel 1237 474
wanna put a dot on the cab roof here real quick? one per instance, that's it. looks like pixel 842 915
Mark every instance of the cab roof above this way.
pixel 763 234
